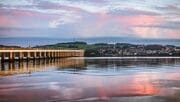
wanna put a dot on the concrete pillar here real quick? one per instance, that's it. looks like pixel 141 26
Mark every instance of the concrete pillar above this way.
pixel 48 55
pixel 21 55
pixel 71 54
pixel 62 54
pixel 28 55
pixel 11 55
pixel 2 56
pixel 51 54
pixel 54 54
pixel 35 55
pixel 44 55
pixel 58 54
pixel 40 54
pixel 74 54
pixel 67 54
pixel 77 53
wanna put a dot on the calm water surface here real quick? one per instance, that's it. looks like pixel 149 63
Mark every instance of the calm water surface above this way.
pixel 91 79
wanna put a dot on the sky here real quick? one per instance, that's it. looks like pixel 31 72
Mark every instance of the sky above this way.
pixel 90 18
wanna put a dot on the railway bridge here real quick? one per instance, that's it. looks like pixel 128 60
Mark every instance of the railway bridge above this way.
pixel 21 54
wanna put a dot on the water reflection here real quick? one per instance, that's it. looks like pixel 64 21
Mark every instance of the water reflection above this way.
pixel 103 62
pixel 20 67
pixel 92 79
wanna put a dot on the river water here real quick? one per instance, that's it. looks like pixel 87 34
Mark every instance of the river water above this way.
pixel 116 79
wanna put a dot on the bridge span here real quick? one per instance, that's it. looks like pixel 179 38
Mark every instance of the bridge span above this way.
pixel 20 54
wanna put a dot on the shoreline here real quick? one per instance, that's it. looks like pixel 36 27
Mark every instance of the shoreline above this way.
pixel 133 57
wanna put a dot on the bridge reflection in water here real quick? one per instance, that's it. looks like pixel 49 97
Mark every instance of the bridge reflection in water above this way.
pixel 20 67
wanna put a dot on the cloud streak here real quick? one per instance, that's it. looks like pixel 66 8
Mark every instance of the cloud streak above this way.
pixel 89 18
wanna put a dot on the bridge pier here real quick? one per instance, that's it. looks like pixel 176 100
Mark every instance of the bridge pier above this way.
pixel 28 56
pixel 20 56
pixel 44 54
pixel 2 57
pixel 47 55
pixel 11 56
pixel 40 55
pixel 35 55
pixel 58 54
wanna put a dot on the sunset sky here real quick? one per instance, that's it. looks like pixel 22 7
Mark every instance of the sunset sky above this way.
pixel 90 18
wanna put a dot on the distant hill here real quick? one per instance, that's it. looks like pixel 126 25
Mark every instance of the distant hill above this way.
pixel 4 46
pixel 46 41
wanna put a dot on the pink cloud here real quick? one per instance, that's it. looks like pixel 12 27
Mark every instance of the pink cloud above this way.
pixel 24 18
pixel 127 24
pixel 6 21
pixel 174 34
pixel 139 20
